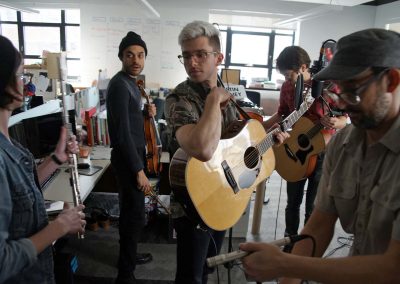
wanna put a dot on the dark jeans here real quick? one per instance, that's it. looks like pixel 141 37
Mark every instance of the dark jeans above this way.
pixel 295 192
pixel 132 215
pixel 194 246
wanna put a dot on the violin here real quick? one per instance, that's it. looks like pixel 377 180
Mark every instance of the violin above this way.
pixel 152 136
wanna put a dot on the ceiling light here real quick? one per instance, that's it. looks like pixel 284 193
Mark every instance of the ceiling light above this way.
pixel 333 2
pixel 309 14
pixel 151 8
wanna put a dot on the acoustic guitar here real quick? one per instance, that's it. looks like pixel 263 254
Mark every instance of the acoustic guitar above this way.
pixel 220 189
pixel 297 157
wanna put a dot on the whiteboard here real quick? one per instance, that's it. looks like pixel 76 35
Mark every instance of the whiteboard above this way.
pixel 104 26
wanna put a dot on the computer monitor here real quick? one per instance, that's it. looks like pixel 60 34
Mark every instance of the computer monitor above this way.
pixel 40 134
pixel 230 76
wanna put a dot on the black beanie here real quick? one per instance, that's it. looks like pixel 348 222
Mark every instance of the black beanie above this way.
pixel 131 38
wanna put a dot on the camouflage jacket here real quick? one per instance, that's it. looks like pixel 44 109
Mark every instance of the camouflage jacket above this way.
pixel 184 105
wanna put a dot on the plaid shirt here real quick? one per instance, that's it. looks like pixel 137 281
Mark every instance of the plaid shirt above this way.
pixel 317 110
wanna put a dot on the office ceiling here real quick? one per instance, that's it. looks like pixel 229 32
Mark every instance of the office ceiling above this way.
pixel 345 2
pixel 332 2
pixel 379 2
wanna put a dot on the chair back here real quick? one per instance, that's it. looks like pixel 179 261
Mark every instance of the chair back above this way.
pixel 254 96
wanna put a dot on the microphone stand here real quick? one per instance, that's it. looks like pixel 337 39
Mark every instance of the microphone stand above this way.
pixel 229 265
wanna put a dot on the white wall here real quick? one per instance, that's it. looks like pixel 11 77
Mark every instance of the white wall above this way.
pixel 333 26
pixel 387 14
pixel 103 27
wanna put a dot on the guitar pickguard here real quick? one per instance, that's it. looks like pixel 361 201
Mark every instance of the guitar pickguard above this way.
pixel 251 169
pixel 302 155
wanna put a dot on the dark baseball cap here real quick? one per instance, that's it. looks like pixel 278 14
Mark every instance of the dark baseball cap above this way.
pixel 361 50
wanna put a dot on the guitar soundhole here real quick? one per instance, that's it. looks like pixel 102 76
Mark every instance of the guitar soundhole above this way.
pixel 304 142
pixel 251 157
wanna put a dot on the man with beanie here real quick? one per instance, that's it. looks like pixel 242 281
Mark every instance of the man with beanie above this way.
pixel 125 113
pixel 360 179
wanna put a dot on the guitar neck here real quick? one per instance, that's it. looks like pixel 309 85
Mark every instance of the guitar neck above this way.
pixel 314 130
pixel 286 124
pixel 291 119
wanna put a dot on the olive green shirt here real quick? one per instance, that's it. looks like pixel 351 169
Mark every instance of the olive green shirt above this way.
pixel 361 185
pixel 185 105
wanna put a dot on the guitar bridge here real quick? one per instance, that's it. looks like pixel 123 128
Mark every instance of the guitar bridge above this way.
pixel 229 176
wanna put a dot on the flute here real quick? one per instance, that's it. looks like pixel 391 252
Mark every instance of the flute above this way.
pixel 72 159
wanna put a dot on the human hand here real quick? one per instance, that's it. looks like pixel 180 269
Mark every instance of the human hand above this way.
pixel 151 110
pixel 143 183
pixel 279 136
pixel 221 95
pixel 329 122
pixel 262 264
pixel 63 147
pixel 72 220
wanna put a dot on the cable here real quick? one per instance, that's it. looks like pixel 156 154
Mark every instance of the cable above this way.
pixel 277 210
pixel 343 242
pixel 216 252
pixel 296 238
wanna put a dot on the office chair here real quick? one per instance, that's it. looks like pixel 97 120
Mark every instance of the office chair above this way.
pixel 254 96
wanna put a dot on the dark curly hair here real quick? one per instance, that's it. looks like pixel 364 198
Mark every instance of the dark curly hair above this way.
pixel 10 59
pixel 291 58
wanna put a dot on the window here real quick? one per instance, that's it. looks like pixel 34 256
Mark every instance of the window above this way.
pixel 254 52
pixel 60 27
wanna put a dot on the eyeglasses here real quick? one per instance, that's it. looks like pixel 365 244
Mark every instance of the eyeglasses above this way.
pixel 23 77
pixel 199 56
pixel 352 97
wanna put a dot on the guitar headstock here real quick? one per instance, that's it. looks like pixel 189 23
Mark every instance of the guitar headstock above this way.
pixel 308 99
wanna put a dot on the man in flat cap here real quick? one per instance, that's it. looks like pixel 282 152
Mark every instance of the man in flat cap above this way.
pixel 125 115
pixel 360 183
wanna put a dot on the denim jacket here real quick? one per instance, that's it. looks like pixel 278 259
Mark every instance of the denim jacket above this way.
pixel 22 214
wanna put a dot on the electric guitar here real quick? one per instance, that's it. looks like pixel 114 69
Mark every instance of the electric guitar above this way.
pixel 296 158
pixel 218 191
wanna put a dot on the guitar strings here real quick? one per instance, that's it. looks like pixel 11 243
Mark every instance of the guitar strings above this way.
pixel 263 146
pixel 254 155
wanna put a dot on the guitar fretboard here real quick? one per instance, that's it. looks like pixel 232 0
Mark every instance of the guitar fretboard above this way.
pixel 286 124
pixel 314 130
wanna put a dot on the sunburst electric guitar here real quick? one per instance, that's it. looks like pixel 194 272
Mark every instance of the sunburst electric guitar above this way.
pixel 220 189
pixel 297 156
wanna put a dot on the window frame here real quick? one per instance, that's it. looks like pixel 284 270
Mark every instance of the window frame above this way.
pixel 62 29
pixel 271 37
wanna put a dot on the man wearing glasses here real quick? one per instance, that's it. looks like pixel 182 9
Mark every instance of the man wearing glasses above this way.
pixel 360 181
pixel 198 111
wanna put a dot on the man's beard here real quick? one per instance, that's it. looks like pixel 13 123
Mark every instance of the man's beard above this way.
pixel 374 119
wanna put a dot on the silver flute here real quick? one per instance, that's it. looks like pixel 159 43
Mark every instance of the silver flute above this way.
pixel 72 159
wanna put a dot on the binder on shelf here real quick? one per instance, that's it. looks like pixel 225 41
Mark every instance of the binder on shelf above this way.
pixel 89 113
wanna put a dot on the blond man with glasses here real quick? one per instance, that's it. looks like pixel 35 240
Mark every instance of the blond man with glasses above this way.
pixel 198 111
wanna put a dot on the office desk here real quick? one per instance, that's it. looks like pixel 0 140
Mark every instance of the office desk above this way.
pixel 60 189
